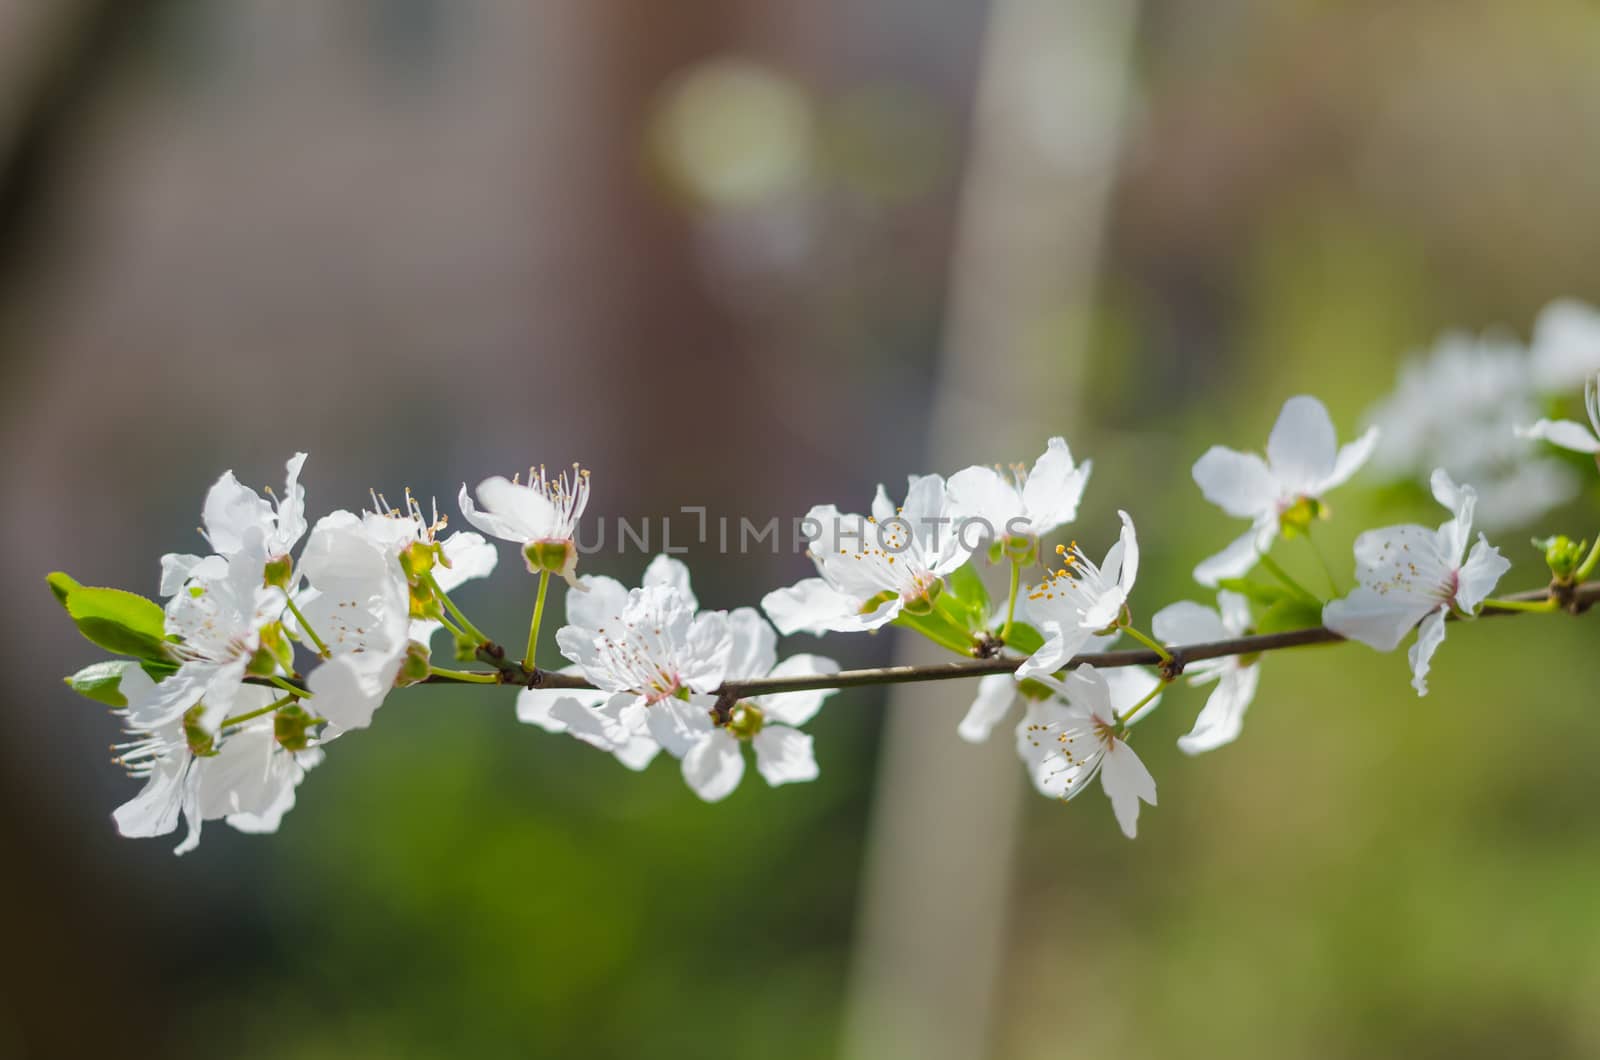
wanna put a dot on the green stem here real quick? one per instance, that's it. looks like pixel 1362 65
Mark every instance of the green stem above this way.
pixel 1282 575
pixel 296 692
pixel 450 605
pixel 464 676
pixel 305 627
pixel 240 719
pixel 1537 607
pixel 1590 561
pixel 1149 642
pixel 1011 601
pixel 1132 711
pixel 1333 583
pixel 538 616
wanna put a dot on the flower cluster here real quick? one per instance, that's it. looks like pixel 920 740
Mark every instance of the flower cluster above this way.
pixel 284 637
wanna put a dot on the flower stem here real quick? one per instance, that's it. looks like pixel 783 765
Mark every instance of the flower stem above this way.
pixel 1011 601
pixel 450 605
pixel 293 690
pixel 305 627
pixel 465 676
pixel 1306 595
pixel 538 616
pixel 240 719
pixel 1537 607
pixel 1333 583
pixel 1590 561
pixel 1148 641
pixel 1129 714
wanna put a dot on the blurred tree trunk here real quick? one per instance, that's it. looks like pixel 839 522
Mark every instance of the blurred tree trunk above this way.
pixel 933 913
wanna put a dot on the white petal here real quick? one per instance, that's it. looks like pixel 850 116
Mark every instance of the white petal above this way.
pixel 1240 484
pixel 1350 460
pixel 784 755
pixel 1565 350
pixel 470 557
pixel 1125 687
pixel 1235 609
pixel 231 512
pixel 1222 718
pixel 755 646
pixel 1429 636
pixel 1061 644
pixel 708 646
pixel 984 496
pixel 154 811
pixel 291 515
pixel 814 606
pixel 601 601
pixel 609 725
pixel 677 726
pixel 664 570
pixel 1303 447
pixel 1235 561
pixel 1053 489
pixel 1126 781
pixel 1187 622
pixel 1480 574
pixel 714 766
pixel 1565 433
pixel 996 694
pixel 537 706
pixel 1378 620
pixel 341 693
pixel 1128 570
pixel 797 708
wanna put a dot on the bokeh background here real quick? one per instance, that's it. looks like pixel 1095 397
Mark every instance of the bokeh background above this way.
pixel 755 255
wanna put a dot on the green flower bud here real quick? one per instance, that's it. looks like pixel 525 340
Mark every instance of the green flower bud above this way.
pixel 291 727
pixel 554 557
pixel 424 603
pixel 417 559
pixel 1022 549
pixel 279 572
pixel 1297 519
pixel 745 721
pixel 414 665
pixel 1562 555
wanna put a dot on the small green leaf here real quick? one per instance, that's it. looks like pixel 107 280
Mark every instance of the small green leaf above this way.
pixel 969 596
pixel 61 585
pixel 1289 613
pixel 1024 638
pixel 1266 594
pixel 100 683
pixel 120 622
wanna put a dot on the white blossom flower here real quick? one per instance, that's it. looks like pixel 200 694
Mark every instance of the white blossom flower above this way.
pixel 541 517
pixel 244 777
pixel 874 567
pixel 1569 434
pixel 1458 407
pixel 1080 600
pixel 219 617
pixel 234 516
pixel 1410 574
pixel 358 603
pixel 648 648
pixel 461 557
pixel 1024 504
pixel 1566 346
pixel 714 762
pixel 1304 461
pixel 1187 622
pixel 1065 742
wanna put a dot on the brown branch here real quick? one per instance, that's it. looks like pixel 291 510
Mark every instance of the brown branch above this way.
pixel 1574 599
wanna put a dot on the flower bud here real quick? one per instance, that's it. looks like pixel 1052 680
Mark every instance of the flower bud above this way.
pixel 552 557
pixel 417 559
pixel 279 572
pixel 414 665
pixel 745 721
pixel 1562 555
pixel 291 727
pixel 424 603
pixel 1298 517
pixel 1021 549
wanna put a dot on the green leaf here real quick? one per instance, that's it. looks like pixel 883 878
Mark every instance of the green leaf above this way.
pixel 966 599
pixel 121 622
pixel 938 628
pixel 1264 594
pixel 1289 613
pixel 1024 638
pixel 61 585
pixel 100 683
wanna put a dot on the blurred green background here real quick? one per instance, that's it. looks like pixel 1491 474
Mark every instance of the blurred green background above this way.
pixel 710 249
